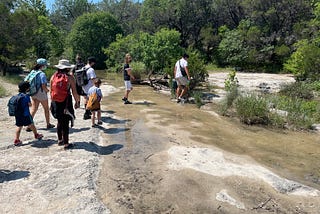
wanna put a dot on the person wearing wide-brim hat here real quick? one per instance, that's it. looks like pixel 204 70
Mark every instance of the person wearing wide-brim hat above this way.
pixel 61 107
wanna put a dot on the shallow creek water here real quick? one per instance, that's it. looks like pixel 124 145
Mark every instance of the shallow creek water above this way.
pixel 165 164
pixel 290 154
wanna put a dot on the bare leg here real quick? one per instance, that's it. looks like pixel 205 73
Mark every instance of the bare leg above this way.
pixel 18 131
pixel 93 117
pixel 35 106
pixel 99 115
pixel 45 105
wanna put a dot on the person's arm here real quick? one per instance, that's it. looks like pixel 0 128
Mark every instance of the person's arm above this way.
pixel 187 71
pixel 44 83
pixel 174 71
pixel 74 92
pixel 129 73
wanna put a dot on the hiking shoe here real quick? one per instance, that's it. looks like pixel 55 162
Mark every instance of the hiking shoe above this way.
pixel 99 122
pixel 124 99
pixel 17 142
pixel 86 117
pixel 38 136
pixel 94 126
pixel 127 102
pixel 178 100
pixel 68 146
pixel 28 129
pixel 50 126
pixel 60 143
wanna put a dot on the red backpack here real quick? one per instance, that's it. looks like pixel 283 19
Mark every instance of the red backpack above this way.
pixel 59 87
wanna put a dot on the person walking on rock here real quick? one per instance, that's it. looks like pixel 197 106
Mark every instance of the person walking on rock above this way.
pixel 23 117
pixel 182 77
pixel 61 105
pixel 127 76
pixel 41 95
pixel 91 76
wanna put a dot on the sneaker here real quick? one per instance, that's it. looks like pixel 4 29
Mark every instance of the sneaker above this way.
pixel 178 100
pixel 94 126
pixel 38 136
pixel 17 142
pixel 86 117
pixel 124 99
pixel 68 146
pixel 50 126
pixel 60 143
pixel 127 102
pixel 99 122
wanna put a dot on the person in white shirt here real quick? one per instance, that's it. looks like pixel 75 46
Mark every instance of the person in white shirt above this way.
pixel 182 77
pixel 91 75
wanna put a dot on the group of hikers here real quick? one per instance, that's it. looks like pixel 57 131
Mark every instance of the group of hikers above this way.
pixel 68 83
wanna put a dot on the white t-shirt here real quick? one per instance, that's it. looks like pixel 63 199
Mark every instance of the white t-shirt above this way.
pixel 91 75
pixel 183 63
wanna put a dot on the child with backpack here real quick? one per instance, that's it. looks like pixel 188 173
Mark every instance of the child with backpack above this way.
pixel 22 115
pixel 61 100
pixel 94 99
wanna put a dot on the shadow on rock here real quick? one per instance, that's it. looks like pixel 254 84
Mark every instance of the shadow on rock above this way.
pixel 74 130
pixel 7 175
pixel 113 121
pixel 113 130
pixel 146 103
pixel 41 143
pixel 101 150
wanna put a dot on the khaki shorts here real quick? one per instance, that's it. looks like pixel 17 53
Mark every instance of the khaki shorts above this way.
pixel 41 95
pixel 182 81
pixel 127 84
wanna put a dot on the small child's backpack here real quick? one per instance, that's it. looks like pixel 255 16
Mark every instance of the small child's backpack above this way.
pixel 59 87
pixel 93 101
pixel 81 76
pixel 35 81
pixel 14 105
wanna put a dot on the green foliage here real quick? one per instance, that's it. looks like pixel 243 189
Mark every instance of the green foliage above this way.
pixel 227 103
pixel 196 68
pixel 232 50
pixel 301 90
pixel 300 113
pixel 231 82
pixel 252 109
pixel 156 52
pixel 91 33
pixel 138 70
pixel 197 95
pixel 304 63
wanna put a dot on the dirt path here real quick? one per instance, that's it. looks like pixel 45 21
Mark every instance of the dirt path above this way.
pixel 156 156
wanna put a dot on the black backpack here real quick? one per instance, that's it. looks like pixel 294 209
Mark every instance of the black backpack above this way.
pixel 14 105
pixel 81 76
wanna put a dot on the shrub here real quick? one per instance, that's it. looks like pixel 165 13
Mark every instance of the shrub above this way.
pixel 298 90
pixel 252 109
pixel 197 95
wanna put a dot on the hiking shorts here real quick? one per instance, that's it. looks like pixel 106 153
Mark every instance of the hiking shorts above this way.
pixel 182 81
pixel 24 120
pixel 127 84
pixel 41 95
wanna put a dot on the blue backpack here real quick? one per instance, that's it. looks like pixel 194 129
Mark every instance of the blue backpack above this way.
pixel 14 105
pixel 35 81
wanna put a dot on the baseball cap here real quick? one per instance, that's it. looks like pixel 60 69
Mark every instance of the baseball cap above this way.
pixel 42 61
